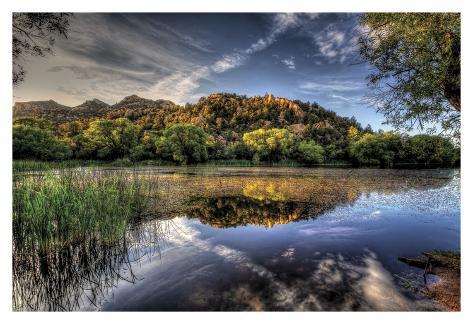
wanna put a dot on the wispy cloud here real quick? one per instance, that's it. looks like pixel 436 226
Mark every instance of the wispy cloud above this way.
pixel 343 98
pixel 334 91
pixel 281 23
pixel 331 85
pixel 181 86
pixel 290 63
pixel 336 42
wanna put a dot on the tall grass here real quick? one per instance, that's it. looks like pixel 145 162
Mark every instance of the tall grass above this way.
pixel 37 165
pixel 54 210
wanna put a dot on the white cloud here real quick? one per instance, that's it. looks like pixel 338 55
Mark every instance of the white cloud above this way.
pixel 228 62
pixel 334 96
pixel 335 45
pixel 290 63
pixel 179 86
pixel 334 85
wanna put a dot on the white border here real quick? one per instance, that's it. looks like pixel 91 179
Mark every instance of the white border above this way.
pixel 9 6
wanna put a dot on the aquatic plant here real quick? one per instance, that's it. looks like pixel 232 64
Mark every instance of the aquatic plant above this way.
pixel 54 209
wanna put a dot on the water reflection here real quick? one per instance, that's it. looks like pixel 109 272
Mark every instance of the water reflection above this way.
pixel 236 211
pixel 81 275
pixel 227 266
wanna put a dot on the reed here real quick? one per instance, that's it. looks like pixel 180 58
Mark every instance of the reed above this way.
pixel 37 165
pixel 54 209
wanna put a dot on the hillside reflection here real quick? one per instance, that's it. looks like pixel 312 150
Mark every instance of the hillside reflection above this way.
pixel 233 211
pixel 233 202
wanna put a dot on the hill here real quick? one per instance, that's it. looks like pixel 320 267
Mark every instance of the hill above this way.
pixel 225 115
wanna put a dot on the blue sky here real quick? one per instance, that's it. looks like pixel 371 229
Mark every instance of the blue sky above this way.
pixel 182 57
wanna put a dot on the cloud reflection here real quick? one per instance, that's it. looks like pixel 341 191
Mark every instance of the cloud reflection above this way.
pixel 326 282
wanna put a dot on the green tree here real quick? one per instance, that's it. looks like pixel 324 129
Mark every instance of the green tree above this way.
pixel 309 152
pixel 113 138
pixel 273 144
pixel 416 57
pixel 427 149
pixel 378 149
pixel 147 147
pixel 33 142
pixel 82 147
pixel 183 143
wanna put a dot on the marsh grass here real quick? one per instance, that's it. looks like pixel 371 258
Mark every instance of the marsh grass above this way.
pixel 37 165
pixel 55 209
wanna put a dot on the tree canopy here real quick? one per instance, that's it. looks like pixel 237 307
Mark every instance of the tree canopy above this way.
pixel 183 143
pixel 416 61
pixel 34 35
pixel 113 138
pixel 272 144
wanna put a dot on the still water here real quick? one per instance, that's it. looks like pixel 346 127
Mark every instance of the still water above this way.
pixel 259 239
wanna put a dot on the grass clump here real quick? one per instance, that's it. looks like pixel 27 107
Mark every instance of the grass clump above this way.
pixel 54 210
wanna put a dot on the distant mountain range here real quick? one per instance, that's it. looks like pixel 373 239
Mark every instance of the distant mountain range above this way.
pixel 95 108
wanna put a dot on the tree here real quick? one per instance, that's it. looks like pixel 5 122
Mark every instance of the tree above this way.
pixel 183 143
pixel 426 149
pixel 33 142
pixel 34 35
pixel 272 144
pixel 113 138
pixel 353 133
pixel 147 148
pixel 309 152
pixel 378 149
pixel 416 57
pixel 82 147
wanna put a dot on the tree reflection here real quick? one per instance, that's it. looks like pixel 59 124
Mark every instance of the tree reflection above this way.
pixel 233 211
pixel 81 275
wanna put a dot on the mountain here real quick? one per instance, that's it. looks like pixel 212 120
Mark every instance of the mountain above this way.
pixel 90 109
pixel 134 101
pixel 48 109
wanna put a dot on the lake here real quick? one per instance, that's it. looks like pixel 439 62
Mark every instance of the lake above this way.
pixel 235 238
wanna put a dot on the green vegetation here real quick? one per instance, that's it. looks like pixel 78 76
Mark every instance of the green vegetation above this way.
pixel 223 127
pixel 416 61
pixel 390 148
pixel 273 144
pixel 310 152
pixel 37 143
pixel 55 210
pixel 183 143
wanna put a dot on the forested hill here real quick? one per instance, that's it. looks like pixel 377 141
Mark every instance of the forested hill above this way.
pixel 225 115
pixel 219 127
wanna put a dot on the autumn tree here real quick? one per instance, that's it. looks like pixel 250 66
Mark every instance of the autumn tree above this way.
pixel 416 61
pixel 34 34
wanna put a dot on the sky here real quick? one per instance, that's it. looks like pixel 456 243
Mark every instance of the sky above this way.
pixel 182 57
